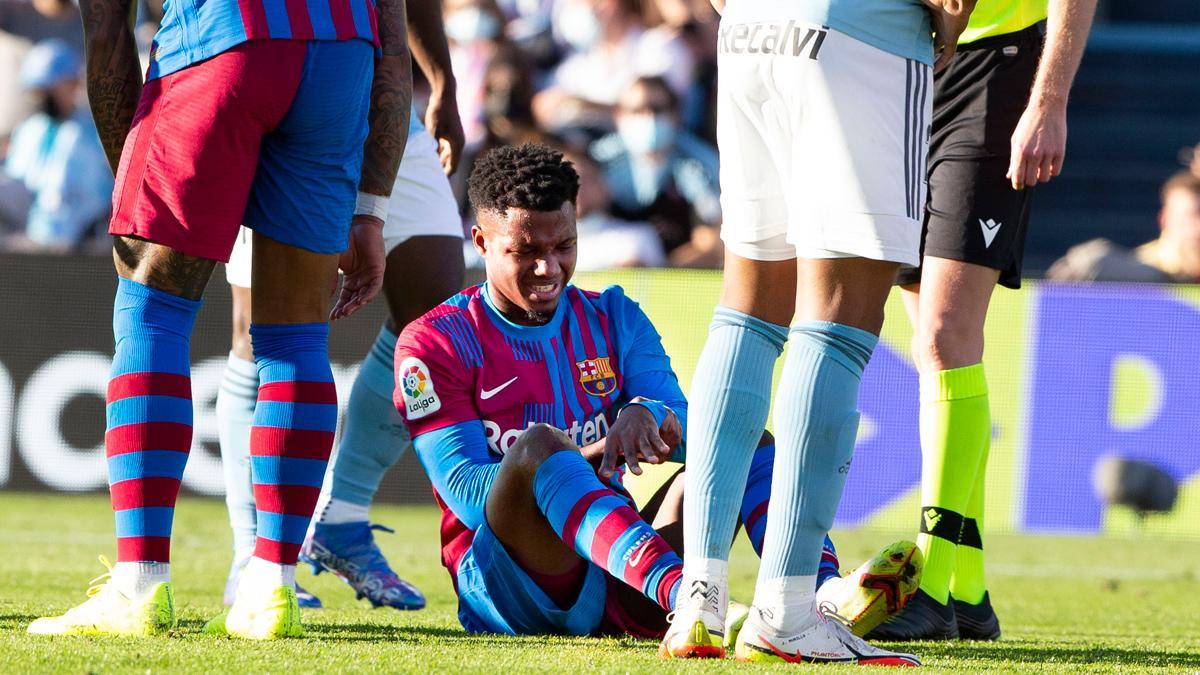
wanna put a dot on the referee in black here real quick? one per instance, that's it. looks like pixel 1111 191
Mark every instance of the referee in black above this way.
pixel 999 128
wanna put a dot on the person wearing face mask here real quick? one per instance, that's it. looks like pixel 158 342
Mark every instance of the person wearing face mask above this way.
pixel 55 158
pixel 608 46
pixel 660 173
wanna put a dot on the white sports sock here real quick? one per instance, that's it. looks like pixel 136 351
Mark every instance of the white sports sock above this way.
pixel 702 577
pixel 263 576
pixel 787 603
pixel 135 579
pixel 332 511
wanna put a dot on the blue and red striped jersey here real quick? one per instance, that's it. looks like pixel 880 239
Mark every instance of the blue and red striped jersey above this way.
pixel 194 30
pixel 464 364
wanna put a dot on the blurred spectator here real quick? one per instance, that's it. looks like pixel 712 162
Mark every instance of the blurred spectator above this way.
pixel 660 173
pixel 22 23
pixel 695 22
pixel 55 162
pixel 1174 256
pixel 475 31
pixel 605 241
pixel 608 47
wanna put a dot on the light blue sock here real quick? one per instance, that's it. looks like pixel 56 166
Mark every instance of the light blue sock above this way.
pixel 728 406
pixel 816 422
pixel 374 435
pixel 235 415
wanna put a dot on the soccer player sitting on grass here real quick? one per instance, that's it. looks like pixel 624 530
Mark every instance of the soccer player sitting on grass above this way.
pixel 522 394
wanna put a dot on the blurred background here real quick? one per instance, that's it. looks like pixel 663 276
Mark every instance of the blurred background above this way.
pixel 1093 370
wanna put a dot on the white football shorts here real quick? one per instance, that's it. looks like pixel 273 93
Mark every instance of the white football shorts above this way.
pixel 823 143
pixel 421 205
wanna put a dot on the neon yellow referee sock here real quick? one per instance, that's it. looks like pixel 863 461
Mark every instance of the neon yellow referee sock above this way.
pixel 955 430
pixel 967 583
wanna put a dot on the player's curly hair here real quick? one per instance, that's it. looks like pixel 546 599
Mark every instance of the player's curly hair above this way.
pixel 529 176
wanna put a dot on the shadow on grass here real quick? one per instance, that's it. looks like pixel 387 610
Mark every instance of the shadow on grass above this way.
pixel 1081 654
pixel 443 637
pixel 16 622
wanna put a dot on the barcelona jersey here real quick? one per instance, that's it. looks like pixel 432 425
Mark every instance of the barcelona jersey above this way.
pixel 469 382
pixel 195 30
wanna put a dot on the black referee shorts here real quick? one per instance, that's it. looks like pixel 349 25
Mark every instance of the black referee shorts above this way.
pixel 973 214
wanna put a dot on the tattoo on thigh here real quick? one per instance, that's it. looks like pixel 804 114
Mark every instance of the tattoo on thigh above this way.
pixel 161 267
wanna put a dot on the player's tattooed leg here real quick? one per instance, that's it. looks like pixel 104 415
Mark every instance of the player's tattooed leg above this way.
pixel 161 267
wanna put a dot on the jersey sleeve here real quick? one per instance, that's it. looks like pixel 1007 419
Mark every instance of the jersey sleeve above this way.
pixel 643 361
pixel 462 470
pixel 434 389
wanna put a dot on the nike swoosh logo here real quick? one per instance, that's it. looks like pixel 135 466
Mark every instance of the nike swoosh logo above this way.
pixel 485 394
pixel 637 558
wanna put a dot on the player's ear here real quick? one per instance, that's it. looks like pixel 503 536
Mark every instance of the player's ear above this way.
pixel 479 240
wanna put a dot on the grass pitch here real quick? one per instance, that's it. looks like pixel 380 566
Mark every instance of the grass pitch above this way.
pixel 1066 604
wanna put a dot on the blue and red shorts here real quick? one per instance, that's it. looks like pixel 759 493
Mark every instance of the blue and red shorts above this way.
pixel 269 133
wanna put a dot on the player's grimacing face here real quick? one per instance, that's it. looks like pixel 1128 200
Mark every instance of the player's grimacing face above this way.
pixel 530 257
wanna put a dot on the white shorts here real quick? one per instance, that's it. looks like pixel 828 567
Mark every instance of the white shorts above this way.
pixel 823 141
pixel 421 205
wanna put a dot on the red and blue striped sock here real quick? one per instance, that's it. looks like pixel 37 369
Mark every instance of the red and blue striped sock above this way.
pixel 292 435
pixel 754 511
pixel 149 414
pixel 602 527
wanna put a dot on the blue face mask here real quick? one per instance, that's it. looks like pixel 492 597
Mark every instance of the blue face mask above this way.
pixel 579 26
pixel 644 134
pixel 471 24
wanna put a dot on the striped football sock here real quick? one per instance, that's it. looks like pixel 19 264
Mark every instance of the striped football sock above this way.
pixel 603 528
pixel 149 416
pixel 754 512
pixel 292 436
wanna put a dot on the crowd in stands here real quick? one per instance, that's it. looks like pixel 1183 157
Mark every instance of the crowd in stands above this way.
pixel 623 87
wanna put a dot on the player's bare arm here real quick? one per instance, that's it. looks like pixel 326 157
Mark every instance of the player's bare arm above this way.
pixel 1039 144
pixel 949 21
pixel 427 39
pixel 363 262
pixel 114 78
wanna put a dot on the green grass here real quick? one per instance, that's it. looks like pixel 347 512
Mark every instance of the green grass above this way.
pixel 1066 604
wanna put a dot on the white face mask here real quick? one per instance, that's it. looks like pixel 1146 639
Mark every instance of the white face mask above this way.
pixel 471 24
pixel 579 26
pixel 644 134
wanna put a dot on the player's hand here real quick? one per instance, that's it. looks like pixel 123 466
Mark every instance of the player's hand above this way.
pixel 634 434
pixel 1039 145
pixel 362 263
pixel 949 18
pixel 444 124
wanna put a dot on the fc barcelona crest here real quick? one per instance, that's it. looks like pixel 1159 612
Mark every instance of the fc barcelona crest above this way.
pixel 596 376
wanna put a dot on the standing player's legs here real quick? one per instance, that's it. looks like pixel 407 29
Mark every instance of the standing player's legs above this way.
pixel 421 272
pixel 300 210
pixel 182 186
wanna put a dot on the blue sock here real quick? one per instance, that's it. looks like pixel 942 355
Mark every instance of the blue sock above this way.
pixel 754 512
pixel 816 420
pixel 149 416
pixel 729 402
pixel 374 435
pixel 603 528
pixel 235 416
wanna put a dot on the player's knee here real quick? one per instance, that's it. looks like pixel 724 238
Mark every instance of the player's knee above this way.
pixel 948 344
pixel 536 444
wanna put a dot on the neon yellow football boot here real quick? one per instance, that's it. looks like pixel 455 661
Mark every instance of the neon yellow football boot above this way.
pixel 876 591
pixel 107 611
pixel 256 615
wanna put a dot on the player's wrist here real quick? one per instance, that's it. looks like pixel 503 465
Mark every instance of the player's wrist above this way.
pixel 657 409
pixel 375 206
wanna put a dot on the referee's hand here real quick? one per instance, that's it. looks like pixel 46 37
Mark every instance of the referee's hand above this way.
pixel 1039 145
pixel 949 19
